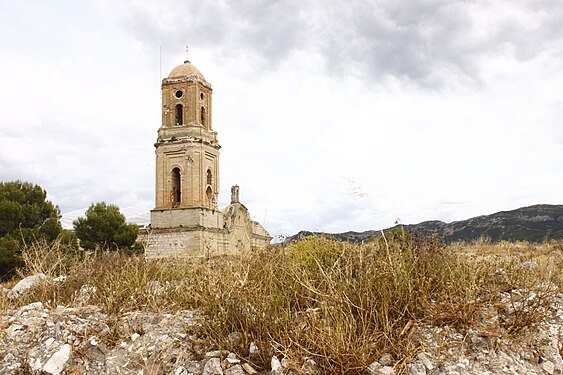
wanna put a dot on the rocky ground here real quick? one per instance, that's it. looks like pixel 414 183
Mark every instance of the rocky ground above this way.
pixel 83 340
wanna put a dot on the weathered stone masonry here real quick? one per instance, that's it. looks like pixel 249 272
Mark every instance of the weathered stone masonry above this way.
pixel 186 220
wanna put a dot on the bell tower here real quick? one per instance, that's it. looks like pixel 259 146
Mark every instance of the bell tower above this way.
pixel 187 150
pixel 186 220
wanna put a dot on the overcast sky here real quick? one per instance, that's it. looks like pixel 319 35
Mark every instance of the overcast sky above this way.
pixel 332 115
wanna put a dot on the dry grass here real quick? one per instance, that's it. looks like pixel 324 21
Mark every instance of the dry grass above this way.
pixel 342 305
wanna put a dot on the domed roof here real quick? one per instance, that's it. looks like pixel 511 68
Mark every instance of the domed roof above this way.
pixel 185 70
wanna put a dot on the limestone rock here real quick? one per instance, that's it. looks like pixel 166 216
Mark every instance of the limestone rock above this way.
pixel 56 364
pixel 213 367
pixel 85 294
pixel 235 370
pixel 416 368
pixel 548 367
pixel 249 369
pixel 386 360
pixel 423 358
pixel 276 365
pixel 25 285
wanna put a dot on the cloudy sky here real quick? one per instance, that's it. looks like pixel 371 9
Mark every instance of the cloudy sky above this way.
pixel 333 115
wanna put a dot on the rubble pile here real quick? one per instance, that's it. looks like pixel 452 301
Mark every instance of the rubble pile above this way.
pixel 84 340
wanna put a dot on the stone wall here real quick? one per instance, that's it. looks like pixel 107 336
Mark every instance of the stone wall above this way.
pixel 203 232
pixel 186 217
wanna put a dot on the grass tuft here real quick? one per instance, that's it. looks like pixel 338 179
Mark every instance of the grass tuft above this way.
pixel 341 304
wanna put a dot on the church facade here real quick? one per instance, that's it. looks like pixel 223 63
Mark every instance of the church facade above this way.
pixel 186 220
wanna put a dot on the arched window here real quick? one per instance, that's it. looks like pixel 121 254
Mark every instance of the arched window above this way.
pixel 203 116
pixel 209 194
pixel 176 193
pixel 209 177
pixel 179 114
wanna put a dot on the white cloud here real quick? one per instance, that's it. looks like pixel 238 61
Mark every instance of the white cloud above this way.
pixel 441 110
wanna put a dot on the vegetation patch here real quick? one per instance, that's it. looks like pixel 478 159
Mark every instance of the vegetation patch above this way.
pixel 343 305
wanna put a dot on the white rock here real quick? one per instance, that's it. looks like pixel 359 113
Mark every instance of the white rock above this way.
pixel 49 342
pixel 85 294
pixel 416 368
pixel 252 349
pixel 56 364
pixel 276 365
pixel 213 354
pixel 423 357
pixel 386 370
pixel 548 367
pixel 31 306
pixel 135 336
pixel 235 370
pixel 35 364
pixel 233 360
pixel 373 368
pixel 60 279
pixel 386 360
pixel 24 285
pixel 14 330
pixel 181 371
pixel 213 367
pixel 249 369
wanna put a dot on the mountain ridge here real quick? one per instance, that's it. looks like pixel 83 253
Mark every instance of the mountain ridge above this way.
pixel 536 223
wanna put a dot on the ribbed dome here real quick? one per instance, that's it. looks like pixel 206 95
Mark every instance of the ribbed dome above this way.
pixel 185 70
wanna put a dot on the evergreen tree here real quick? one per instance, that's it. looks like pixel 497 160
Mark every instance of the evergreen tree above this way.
pixel 25 215
pixel 104 228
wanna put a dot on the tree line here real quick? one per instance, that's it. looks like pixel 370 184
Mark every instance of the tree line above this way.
pixel 27 216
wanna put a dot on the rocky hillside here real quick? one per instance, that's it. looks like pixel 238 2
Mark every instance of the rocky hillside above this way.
pixel 534 224
pixel 82 339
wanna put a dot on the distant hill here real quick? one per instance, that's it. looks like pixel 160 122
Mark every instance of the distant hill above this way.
pixel 537 223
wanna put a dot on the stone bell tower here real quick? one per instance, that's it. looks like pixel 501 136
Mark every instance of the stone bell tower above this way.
pixel 187 151
pixel 186 220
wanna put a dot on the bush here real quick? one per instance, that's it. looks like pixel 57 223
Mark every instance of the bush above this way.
pixel 25 216
pixel 104 228
pixel 342 304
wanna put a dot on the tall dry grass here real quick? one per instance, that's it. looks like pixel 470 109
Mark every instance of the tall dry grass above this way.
pixel 343 305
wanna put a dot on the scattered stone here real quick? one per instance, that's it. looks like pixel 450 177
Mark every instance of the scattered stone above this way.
pixel 235 339
pixel 310 367
pixel 75 340
pixel 386 370
pixel 232 358
pixel 548 367
pixel 25 285
pixel 252 349
pixel 249 369
pixel 213 354
pixel 423 357
pixel 373 368
pixel 276 365
pixel 416 368
pixel 85 294
pixel 56 364
pixel 234 370
pixel 387 360
pixel 213 367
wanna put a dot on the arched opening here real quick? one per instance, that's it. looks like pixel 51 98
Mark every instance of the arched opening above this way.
pixel 179 114
pixel 203 116
pixel 209 177
pixel 176 192
pixel 209 194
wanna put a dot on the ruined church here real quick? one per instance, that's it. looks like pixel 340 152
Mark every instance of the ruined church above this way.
pixel 186 220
